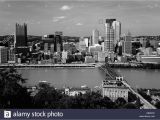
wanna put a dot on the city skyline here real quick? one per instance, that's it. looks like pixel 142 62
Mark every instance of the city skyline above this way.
pixel 79 18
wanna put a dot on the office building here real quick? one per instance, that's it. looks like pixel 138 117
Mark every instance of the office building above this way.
pixel 95 37
pixel 89 59
pixel 58 43
pixel 20 35
pixel 96 48
pixel 86 40
pixel 127 44
pixel 117 31
pixel 11 55
pixel 48 42
pixel 82 45
pixel 102 56
pixel 3 54
pixel 112 34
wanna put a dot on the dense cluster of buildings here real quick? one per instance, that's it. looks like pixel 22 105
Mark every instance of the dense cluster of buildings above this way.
pixel 53 48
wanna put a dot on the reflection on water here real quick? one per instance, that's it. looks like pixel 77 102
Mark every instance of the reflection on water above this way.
pixel 65 77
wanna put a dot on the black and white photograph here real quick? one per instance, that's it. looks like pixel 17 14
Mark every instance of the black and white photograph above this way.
pixel 79 55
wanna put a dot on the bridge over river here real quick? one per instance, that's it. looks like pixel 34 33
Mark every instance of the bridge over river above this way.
pixel 110 73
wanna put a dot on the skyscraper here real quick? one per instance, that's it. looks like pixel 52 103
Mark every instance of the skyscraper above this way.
pixel 112 34
pixel 127 44
pixel 21 35
pixel 109 35
pixel 117 30
pixel 95 37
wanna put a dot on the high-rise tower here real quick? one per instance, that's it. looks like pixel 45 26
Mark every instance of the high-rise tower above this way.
pixel 112 34
pixel 95 37
pixel 21 35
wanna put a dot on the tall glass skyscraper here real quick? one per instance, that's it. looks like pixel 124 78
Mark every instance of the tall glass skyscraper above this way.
pixel 112 34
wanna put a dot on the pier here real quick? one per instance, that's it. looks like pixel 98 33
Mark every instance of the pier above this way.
pixel 111 74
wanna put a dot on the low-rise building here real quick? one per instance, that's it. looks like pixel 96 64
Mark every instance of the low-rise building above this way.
pixel 76 91
pixel 89 59
pixel 114 89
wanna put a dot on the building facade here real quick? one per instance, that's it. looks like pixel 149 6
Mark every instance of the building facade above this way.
pixel 127 44
pixel 95 37
pixel 114 89
pixel 11 55
pixel 112 34
pixel 76 91
pixel 3 54
pixel 20 35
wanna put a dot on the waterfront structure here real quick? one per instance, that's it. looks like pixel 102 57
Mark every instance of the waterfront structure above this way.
pixel 89 59
pixel 114 89
pixel 20 35
pixel 11 55
pixel 149 59
pixel 3 54
pixel 64 56
pixel 127 44
pixel 95 37
pixel 76 91
pixel 102 56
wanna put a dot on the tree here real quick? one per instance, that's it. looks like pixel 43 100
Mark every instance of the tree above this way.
pixel 130 106
pixel 158 105
pixel 47 97
pixel 12 92
pixel 131 97
pixel 120 102
pixel 107 103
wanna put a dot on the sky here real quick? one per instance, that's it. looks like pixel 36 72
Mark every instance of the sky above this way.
pixel 80 17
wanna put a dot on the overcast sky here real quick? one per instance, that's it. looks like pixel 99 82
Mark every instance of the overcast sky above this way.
pixel 80 17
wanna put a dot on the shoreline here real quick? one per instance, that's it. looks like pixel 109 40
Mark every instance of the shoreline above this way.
pixel 24 66
pixel 135 65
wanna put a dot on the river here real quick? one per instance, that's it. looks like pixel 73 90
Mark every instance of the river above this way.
pixel 141 78
pixel 72 77
pixel 60 77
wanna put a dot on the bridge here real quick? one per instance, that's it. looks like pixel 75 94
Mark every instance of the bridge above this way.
pixel 111 74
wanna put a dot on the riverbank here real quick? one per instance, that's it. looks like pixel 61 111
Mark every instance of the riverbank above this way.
pixel 48 65
pixel 135 65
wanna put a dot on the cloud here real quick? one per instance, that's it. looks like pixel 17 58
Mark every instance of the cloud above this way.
pixel 153 6
pixel 65 7
pixel 56 19
pixel 8 5
pixel 79 24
